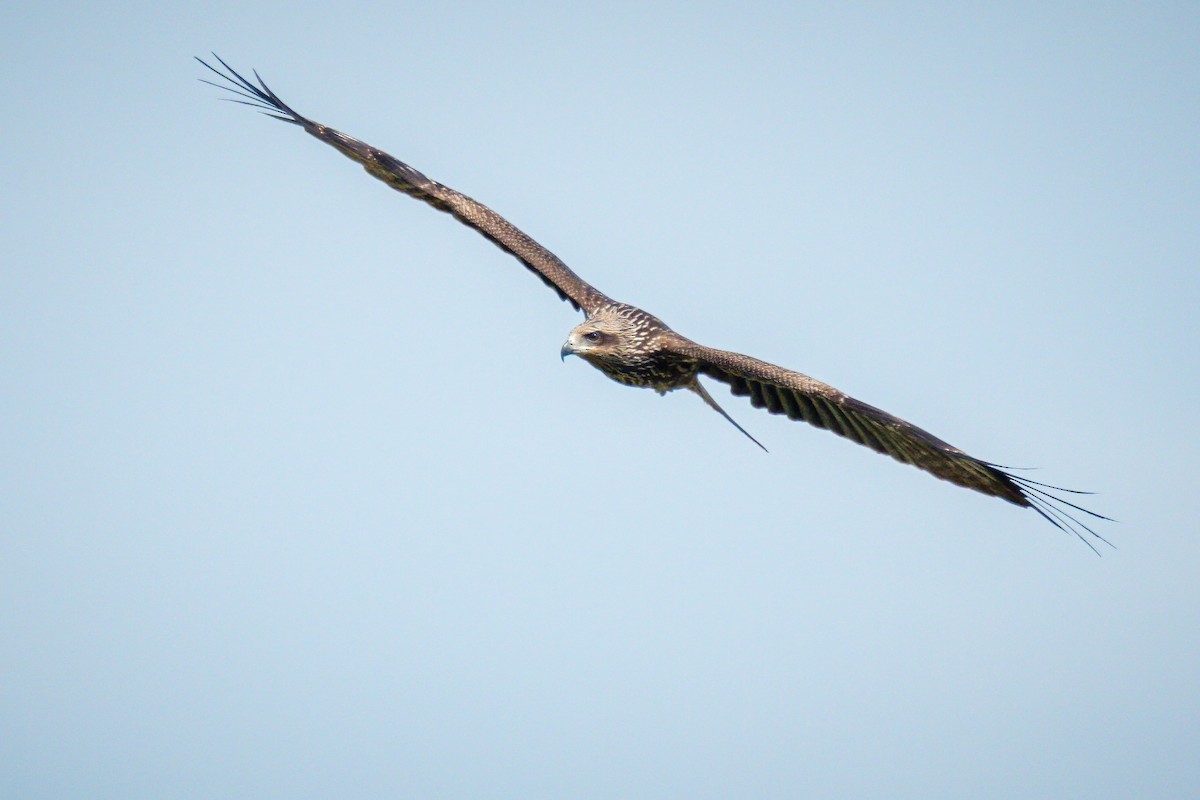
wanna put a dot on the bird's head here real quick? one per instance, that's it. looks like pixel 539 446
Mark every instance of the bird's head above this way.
pixel 611 335
pixel 595 339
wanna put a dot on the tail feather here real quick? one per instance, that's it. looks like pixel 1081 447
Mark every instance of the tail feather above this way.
pixel 699 389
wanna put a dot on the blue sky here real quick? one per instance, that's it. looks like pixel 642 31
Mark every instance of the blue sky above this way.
pixel 299 500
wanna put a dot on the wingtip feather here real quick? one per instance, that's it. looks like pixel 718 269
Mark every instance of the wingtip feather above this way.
pixel 260 96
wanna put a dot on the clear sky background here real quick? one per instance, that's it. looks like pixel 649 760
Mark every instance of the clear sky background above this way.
pixel 298 500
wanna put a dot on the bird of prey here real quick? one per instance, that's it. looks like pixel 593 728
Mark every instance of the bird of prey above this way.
pixel 636 348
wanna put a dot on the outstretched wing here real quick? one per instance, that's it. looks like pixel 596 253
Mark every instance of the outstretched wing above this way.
pixel 404 178
pixel 782 391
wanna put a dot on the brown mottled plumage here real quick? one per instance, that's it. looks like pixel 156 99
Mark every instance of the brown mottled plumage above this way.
pixel 637 349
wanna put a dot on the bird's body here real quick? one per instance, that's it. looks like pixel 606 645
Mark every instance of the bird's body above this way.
pixel 635 348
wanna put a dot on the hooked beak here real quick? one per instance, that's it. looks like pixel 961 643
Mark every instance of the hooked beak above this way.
pixel 568 349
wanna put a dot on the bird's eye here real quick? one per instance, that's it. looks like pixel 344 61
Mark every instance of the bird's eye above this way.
pixel 592 336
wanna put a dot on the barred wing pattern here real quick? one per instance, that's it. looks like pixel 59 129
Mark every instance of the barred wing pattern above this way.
pixel 400 176
pixel 783 391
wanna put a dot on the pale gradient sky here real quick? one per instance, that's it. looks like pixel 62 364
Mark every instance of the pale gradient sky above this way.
pixel 298 500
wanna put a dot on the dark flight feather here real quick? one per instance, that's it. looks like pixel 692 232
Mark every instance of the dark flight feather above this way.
pixel 783 391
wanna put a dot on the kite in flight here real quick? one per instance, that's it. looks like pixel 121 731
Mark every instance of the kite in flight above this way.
pixel 637 349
